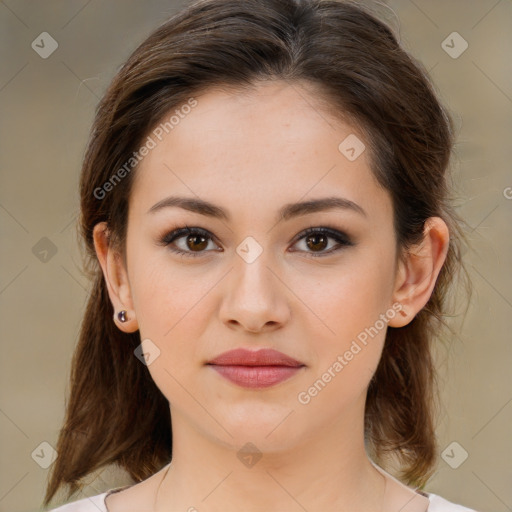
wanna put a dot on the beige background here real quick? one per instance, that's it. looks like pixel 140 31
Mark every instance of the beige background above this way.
pixel 47 107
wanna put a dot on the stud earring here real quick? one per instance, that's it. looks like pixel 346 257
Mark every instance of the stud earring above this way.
pixel 122 316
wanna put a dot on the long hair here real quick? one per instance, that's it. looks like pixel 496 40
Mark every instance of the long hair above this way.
pixel 115 414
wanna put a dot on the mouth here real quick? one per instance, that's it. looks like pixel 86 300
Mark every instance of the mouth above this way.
pixel 255 369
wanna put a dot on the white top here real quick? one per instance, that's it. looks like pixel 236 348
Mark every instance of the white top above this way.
pixel 397 497
pixel 97 504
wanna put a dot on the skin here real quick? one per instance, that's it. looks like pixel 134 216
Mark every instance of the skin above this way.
pixel 251 153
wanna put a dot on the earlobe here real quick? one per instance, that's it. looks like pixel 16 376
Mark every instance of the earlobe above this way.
pixel 418 271
pixel 116 279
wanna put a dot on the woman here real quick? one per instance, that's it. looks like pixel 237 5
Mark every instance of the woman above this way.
pixel 266 213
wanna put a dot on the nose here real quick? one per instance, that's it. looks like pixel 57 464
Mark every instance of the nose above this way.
pixel 254 299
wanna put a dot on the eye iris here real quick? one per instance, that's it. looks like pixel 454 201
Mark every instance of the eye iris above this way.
pixel 197 246
pixel 317 245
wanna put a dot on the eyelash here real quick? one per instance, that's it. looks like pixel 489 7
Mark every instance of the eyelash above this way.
pixel 341 238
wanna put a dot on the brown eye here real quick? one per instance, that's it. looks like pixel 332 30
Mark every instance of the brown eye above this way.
pixel 188 241
pixel 316 242
pixel 197 242
pixel 323 241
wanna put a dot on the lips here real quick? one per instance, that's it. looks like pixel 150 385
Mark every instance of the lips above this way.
pixel 255 369
pixel 262 357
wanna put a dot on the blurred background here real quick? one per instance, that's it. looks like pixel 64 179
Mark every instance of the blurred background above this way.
pixel 57 58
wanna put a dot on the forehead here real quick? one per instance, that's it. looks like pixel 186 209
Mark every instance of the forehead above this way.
pixel 254 147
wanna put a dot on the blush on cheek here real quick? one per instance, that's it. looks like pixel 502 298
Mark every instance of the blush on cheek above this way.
pixel 352 360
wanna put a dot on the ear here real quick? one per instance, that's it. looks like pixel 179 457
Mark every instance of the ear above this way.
pixel 417 272
pixel 116 278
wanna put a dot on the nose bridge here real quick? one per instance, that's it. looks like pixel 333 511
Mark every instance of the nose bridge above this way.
pixel 254 297
pixel 252 280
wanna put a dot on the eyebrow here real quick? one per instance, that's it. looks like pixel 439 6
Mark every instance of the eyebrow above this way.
pixel 287 212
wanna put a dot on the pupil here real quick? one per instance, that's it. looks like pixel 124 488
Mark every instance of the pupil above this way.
pixel 315 244
pixel 195 237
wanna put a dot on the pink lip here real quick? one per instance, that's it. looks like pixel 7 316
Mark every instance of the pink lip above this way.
pixel 255 369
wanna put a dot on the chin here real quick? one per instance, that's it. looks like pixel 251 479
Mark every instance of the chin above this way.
pixel 272 431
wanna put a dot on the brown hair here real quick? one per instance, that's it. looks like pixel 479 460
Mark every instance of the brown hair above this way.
pixel 115 412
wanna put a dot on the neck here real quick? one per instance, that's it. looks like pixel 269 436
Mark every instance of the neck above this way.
pixel 328 470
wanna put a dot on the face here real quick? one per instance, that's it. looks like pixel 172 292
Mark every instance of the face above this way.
pixel 252 278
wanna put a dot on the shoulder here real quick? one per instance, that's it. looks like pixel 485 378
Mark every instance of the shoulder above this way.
pixel 91 504
pixel 127 498
pixel 439 504
pixel 97 504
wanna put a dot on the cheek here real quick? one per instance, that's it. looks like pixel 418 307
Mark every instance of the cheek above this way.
pixel 345 299
pixel 352 311
pixel 169 314
pixel 347 353
pixel 173 310
pixel 164 293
